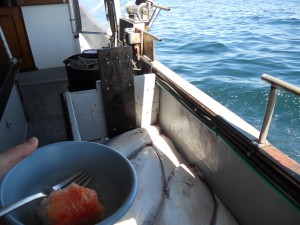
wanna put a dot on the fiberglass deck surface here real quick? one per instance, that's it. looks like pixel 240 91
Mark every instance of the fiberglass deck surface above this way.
pixel 170 191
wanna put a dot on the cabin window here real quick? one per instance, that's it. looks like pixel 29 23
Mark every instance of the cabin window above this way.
pixel 90 23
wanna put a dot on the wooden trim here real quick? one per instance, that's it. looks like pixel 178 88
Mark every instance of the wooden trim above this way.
pixel 40 2
pixel 14 30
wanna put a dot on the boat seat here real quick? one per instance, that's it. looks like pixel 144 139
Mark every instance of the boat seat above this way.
pixel 170 190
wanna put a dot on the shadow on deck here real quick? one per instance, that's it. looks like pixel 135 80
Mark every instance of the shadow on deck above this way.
pixel 42 92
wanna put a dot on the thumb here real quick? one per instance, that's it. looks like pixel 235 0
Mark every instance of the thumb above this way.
pixel 13 155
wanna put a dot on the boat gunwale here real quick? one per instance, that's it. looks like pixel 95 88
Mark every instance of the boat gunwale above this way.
pixel 280 172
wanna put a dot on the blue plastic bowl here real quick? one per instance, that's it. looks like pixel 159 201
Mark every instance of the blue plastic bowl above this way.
pixel 114 180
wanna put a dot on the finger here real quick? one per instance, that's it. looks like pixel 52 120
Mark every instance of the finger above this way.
pixel 15 154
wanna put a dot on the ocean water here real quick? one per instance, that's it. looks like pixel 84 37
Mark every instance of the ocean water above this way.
pixel 223 47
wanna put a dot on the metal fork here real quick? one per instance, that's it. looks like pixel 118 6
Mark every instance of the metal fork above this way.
pixel 80 178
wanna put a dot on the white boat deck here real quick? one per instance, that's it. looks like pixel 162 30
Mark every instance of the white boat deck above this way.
pixel 170 191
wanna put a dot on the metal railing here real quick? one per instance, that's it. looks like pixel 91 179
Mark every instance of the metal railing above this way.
pixel 275 84
pixel 4 42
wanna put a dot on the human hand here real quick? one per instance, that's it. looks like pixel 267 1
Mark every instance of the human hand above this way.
pixel 13 155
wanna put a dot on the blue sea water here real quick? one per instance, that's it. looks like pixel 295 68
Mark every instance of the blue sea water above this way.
pixel 223 47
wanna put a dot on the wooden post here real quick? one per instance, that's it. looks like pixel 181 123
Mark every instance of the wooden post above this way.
pixel 118 89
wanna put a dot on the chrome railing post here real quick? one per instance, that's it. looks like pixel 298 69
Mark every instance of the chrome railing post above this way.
pixel 268 115
pixel 275 83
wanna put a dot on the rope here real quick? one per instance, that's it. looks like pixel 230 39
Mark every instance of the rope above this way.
pixel 81 63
